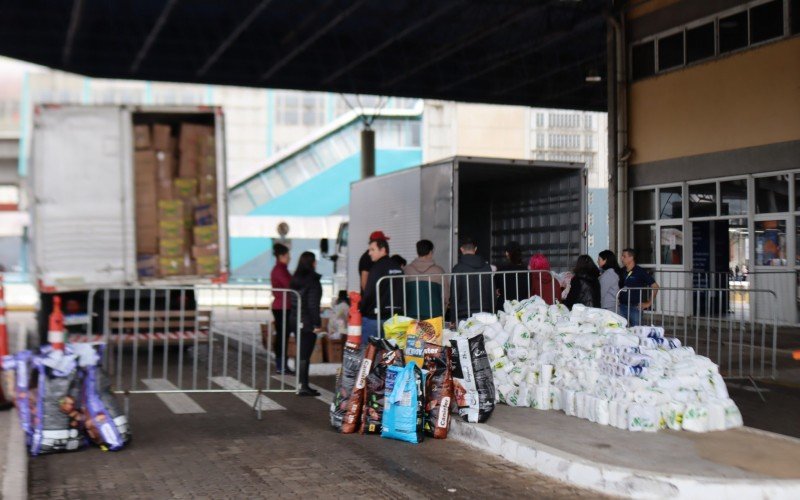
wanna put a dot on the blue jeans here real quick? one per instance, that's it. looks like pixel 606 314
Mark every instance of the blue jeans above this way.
pixel 369 328
pixel 632 314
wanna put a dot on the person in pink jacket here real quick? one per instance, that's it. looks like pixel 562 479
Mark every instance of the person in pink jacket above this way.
pixel 542 282
pixel 281 304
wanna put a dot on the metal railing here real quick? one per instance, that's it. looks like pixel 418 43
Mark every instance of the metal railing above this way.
pixel 197 339
pixel 744 346
pixel 457 296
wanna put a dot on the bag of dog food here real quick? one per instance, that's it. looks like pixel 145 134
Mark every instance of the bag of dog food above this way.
pixel 56 418
pixel 374 401
pixel 345 383
pixel 404 414
pixel 105 424
pixel 355 403
pixel 473 383
pixel 438 390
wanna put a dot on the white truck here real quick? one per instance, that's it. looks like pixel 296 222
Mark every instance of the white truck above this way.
pixel 539 204
pixel 86 200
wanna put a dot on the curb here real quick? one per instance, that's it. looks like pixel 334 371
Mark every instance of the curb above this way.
pixel 611 479
pixel 15 475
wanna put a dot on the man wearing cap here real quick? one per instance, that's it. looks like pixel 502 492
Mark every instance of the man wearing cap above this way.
pixel 391 291
pixel 365 263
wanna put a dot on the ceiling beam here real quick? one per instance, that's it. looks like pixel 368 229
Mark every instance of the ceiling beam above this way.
pixel 235 34
pixel 533 48
pixel 313 38
pixel 74 25
pixel 543 76
pixel 466 41
pixel 399 36
pixel 151 37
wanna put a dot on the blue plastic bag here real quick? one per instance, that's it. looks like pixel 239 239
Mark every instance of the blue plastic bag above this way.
pixel 403 417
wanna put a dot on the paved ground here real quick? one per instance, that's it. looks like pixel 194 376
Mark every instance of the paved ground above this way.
pixel 227 453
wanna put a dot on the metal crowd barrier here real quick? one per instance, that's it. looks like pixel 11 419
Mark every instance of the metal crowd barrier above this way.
pixel 742 344
pixel 457 296
pixel 196 339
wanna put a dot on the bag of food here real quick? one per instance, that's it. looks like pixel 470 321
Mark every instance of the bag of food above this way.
pixel 438 390
pixel 105 424
pixel 404 415
pixel 345 383
pixel 18 368
pixel 374 401
pixel 395 328
pixel 56 418
pixel 473 384
pixel 355 403
pixel 420 333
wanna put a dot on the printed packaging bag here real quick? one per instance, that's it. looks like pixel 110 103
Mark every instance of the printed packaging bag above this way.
pixel 473 382
pixel 404 415
pixel 438 390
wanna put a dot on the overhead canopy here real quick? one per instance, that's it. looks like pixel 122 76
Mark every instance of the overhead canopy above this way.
pixel 527 52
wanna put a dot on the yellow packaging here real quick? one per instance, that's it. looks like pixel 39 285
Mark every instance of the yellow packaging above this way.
pixel 207 264
pixel 185 187
pixel 205 235
pixel 170 266
pixel 170 210
pixel 171 247
pixel 395 328
pixel 420 333
pixel 171 229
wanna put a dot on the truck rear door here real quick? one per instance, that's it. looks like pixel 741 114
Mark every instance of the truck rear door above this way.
pixel 79 193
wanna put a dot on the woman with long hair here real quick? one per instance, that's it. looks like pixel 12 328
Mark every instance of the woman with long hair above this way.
pixel 306 282
pixel 542 282
pixel 585 285
pixel 610 279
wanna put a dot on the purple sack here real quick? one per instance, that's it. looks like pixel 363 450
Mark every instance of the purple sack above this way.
pixel 105 424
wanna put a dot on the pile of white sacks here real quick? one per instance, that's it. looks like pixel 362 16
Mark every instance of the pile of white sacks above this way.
pixel 588 364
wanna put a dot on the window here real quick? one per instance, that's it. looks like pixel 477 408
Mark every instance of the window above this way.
pixel 702 200
pixel 766 21
pixel 588 122
pixel 644 241
pixel 643 204
pixel 540 119
pixel 540 141
pixel 733 32
pixel 671 245
pixel 733 195
pixel 670 51
pixel 771 243
pixel 772 194
pixel 589 142
pixel 699 43
pixel 643 62
pixel 670 203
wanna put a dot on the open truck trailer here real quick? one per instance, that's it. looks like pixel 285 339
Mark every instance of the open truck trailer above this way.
pixel 124 196
pixel 539 204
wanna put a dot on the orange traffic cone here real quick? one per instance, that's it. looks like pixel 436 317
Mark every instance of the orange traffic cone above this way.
pixel 354 322
pixel 55 332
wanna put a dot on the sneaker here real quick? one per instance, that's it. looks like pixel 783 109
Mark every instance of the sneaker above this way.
pixel 308 391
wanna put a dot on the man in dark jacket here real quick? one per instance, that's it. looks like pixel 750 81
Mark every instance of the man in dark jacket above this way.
pixel 391 290
pixel 470 294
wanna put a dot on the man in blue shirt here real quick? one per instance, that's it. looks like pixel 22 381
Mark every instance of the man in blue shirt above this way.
pixel 633 302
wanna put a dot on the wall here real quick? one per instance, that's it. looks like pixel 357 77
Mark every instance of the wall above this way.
pixel 747 99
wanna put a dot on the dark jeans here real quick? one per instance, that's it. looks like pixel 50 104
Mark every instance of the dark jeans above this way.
pixel 278 341
pixel 308 340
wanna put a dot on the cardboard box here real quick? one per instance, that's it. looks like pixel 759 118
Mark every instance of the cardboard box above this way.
pixel 187 165
pixel 334 350
pixel 317 355
pixel 146 209
pixel 172 229
pixel 147 265
pixel 207 184
pixel 206 235
pixel 166 165
pixel 170 266
pixel 207 265
pixel 205 214
pixel 207 164
pixel 170 210
pixel 166 190
pixel 161 137
pixel 141 137
pixel 172 247
pixel 205 251
pixel 186 187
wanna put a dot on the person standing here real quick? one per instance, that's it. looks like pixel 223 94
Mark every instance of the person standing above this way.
pixel 391 294
pixel 471 294
pixel 584 288
pixel 542 282
pixel 365 262
pixel 512 283
pixel 306 282
pixel 609 279
pixel 281 305
pixel 633 302
pixel 426 296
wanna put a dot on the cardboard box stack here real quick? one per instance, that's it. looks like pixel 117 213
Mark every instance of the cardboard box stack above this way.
pixel 176 193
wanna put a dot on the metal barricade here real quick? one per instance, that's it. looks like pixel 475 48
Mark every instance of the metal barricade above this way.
pixel 457 296
pixel 196 339
pixel 742 344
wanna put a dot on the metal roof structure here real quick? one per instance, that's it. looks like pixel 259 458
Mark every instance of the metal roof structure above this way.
pixel 525 52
